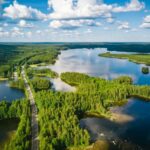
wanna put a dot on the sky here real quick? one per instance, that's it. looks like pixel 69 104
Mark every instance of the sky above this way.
pixel 74 20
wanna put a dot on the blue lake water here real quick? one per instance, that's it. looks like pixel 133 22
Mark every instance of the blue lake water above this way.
pixel 87 61
pixel 135 129
pixel 8 93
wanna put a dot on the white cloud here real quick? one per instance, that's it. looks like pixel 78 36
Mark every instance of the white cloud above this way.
pixel 15 29
pixel 5 24
pixel 18 11
pixel 1 29
pixel 24 24
pixel 145 25
pixel 106 28
pixel 88 31
pixel 124 26
pixel 134 29
pixel 70 24
pixel 110 20
pixel 29 34
pixel 146 22
pixel 147 19
pixel 134 5
pixel 15 32
pixel 66 9
pixel 38 31
pixel 4 34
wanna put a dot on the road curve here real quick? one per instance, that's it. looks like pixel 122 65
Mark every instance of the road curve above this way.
pixel 34 121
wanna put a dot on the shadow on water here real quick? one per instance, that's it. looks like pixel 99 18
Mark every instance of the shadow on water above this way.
pixel 7 130
pixel 133 134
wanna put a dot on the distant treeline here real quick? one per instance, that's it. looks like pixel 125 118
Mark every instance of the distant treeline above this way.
pixel 17 55
pixel 122 47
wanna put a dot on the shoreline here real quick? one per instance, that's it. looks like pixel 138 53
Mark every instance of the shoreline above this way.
pixel 124 56
pixel 3 79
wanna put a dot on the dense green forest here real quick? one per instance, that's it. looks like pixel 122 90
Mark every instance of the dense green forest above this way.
pixel 31 72
pixel 18 84
pixel 137 58
pixel 120 46
pixel 19 109
pixel 145 70
pixel 16 55
pixel 59 112
pixel 40 84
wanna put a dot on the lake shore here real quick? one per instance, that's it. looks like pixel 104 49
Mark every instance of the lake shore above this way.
pixel 3 79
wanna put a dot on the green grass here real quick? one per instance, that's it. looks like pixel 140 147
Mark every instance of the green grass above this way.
pixel 136 58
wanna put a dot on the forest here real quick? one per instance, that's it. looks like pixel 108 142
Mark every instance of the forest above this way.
pixel 59 112
pixel 136 58
pixel 19 109
pixel 17 55
pixel 115 46
pixel 40 84
pixel 19 84
pixel 32 72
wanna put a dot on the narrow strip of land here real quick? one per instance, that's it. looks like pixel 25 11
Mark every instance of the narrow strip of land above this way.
pixel 34 121
pixel 136 58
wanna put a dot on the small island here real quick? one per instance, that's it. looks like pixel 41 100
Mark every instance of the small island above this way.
pixel 145 70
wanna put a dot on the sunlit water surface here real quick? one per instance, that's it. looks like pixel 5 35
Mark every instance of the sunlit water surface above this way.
pixel 136 130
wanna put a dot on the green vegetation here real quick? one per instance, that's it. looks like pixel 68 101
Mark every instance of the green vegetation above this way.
pixel 40 84
pixel 137 58
pixel 21 110
pixel 19 84
pixel 145 70
pixel 59 113
pixel 16 55
pixel 48 58
pixel 41 73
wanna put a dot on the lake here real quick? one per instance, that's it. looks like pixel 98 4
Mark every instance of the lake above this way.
pixel 133 123
pixel 87 61
pixel 8 93
pixel 7 130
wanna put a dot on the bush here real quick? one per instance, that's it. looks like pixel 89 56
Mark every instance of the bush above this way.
pixel 145 70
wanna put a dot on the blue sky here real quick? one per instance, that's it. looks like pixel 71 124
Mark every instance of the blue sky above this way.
pixel 74 21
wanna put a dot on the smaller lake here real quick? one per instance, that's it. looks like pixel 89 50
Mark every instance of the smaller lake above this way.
pixel 8 93
pixel 7 131
pixel 135 129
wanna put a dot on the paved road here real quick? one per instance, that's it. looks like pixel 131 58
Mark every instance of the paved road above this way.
pixel 34 121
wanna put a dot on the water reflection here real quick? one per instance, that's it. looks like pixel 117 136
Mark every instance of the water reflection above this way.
pixel 132 125
pixel 59 85
pixel 9 94
pixel 7 131
pixel 87 61
pixel 135 131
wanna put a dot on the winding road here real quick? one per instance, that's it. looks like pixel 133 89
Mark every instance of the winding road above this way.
pixel 34 120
